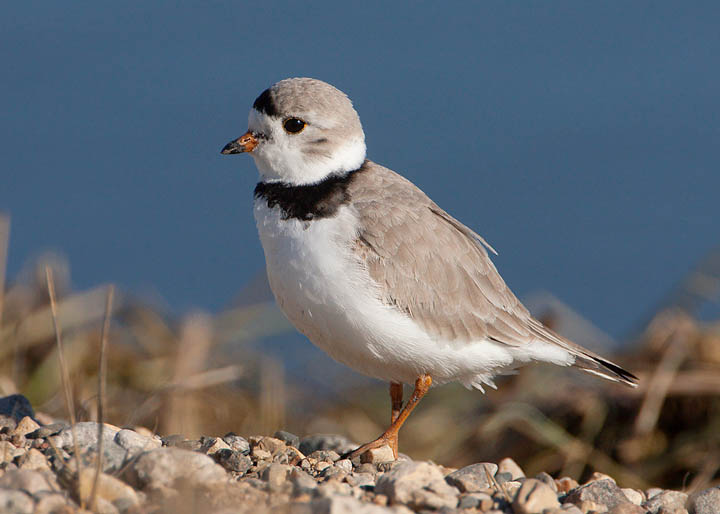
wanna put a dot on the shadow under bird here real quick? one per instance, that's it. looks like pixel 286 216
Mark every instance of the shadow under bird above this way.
pixel 371 270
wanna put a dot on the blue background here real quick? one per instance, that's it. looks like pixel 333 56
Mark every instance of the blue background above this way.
pixel 580 138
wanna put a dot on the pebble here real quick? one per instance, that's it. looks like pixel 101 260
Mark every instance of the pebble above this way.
pixel 233 460
pixel 337 443
pixel 109 488
pixel 135 443
pixel 164 467
pixel 601 492
pixel 237 443
pixel 287 438
pixel 26 426
pixel 668 500
pixel 377 455
pixel 705 502
pixel 507 465
pixel 635 496
pixel 419 485
pixel 473 478
pixel 534 496
pixel 33 459
pixel 30 481
pixel 16 502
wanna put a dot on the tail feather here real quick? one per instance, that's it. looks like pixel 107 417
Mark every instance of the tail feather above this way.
pixel 606 369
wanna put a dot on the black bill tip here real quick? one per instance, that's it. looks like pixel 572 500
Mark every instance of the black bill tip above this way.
pixel 231 148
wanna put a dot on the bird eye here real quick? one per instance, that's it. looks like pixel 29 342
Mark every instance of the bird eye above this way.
pixel 294 125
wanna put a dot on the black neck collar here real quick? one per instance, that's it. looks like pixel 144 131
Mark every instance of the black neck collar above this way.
pixel 312 201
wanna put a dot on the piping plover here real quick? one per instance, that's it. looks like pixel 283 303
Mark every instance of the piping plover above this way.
pixel 371 270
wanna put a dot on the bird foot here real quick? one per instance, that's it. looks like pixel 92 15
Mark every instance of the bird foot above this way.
pixel 384 440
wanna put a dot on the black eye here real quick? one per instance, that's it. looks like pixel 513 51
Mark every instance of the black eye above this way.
pixel 294 125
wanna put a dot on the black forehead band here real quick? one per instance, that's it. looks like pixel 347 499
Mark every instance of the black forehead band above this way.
pixel 265 104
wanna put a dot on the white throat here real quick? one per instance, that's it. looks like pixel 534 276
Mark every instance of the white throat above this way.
pixel 286 164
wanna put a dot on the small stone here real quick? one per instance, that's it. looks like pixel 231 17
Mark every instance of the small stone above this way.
pixel 211 445
pixel 86 432
pixel 602 492
pixel 534 496
pixel 325 456
pixel 276 475
pixel 480 501
pixel 591 507
pixel 636 497
pixel 7 424
pixel 599 476
pixel 501 478
pixel 653 491
pixel 302 482
pixel 345 505
pixel 627 508
pixel 29 481
pixel 233 460
pixel 52 503
pixel 9 451
pixel 16 406
pixel 288 438
pixel 270 444
pixel 705 502
pixel 46 431
pixel 163 467
pixel 336 443
pixel 15 502
pixel 366 468
pixel 108 488
pixel 668 500
pixel 345 465
pixel 333 488
pixel 361 479
pixel 33 459
pixel 260 454
pixel 473 478
pixel 26 426
pixel 237 443
pixel 376 455
pixel 566 484
pixel 547 480
pixel 507 465
pixel 420 485
pixel 322 466
pixel 135 443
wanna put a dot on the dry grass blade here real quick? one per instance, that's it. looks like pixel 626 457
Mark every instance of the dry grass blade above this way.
pixel 102 374
pixel 64 377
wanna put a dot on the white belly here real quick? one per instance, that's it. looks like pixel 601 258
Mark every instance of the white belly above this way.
pixel 326 293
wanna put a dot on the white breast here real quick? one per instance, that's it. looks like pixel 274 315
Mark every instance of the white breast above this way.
pixel 327 294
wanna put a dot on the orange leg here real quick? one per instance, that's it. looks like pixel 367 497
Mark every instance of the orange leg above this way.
pixel 390 436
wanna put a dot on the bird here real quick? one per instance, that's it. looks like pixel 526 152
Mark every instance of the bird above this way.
pixel 372 271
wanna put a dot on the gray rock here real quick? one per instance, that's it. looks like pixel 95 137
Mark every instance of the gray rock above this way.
pixel 534 496
pixel 547 480
pixel 276 475
pixel 164 467
pixel 46 431
pixel 346 505
pixel 627 508
pixel 336 443
pixel 473 478
pixel 16 406
pixel 51 503
pixel 109 488
pixel 501 478
pixel 507 465
pixel 114 455
pixel 233 460
pixel 705 502
pixel 419 485
pixel 669 500
pixel 603 492
pixel 15 502
pixel 635 496
pixel 237 443
pixel 302 482
pixel 135 443
pixel 30 481
pixel 33 459
pixel 290 439
pixel 361 479
pixel 324 456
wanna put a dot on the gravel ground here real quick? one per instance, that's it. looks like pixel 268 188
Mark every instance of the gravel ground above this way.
pixel 143 472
